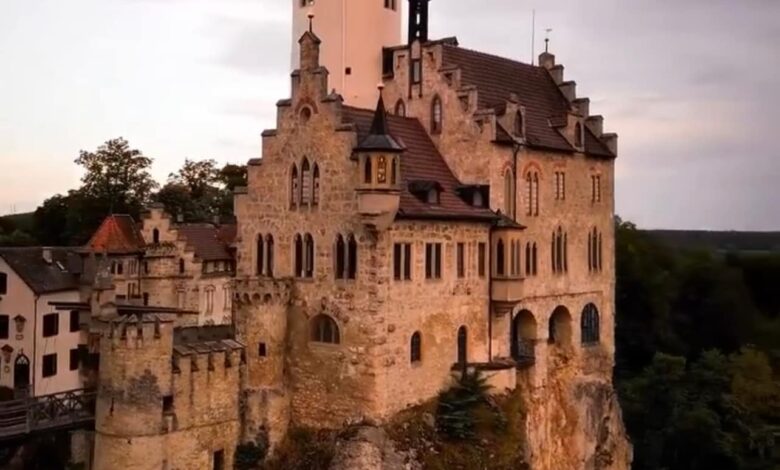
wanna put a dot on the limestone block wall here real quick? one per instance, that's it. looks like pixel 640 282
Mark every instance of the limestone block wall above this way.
pixel 436 308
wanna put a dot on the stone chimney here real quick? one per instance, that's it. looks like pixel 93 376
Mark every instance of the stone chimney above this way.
pixel 569 90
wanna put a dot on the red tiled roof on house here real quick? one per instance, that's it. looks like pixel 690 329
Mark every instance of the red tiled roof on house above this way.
pixel 496 78
pixel 420 162
pixel 118 234
pixel 210 243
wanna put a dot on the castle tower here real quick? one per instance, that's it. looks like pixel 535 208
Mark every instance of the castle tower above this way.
pixel 353 33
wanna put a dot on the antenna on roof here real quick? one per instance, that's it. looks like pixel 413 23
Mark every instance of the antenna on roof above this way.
pixel 547 40
pixel 533 35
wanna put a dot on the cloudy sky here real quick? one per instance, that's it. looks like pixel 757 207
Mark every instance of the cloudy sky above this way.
pixel 691 86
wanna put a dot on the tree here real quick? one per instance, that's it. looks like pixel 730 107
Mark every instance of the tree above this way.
pixel 51 220
pixel 199 177
pixel 116 177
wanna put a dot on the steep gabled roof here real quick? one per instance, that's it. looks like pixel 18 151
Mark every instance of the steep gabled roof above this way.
pixel 41 276
pixel 496 78
pixel 420 161
pixel 118 234
pixel 209 242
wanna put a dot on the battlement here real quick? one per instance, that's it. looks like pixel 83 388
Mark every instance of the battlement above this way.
pixel 261 291
pixel 136 331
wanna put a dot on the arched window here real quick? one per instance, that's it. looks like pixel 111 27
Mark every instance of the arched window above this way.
pixel 532 193
pixel 559 326
pixel 209 299
pixel 416 348
pixel 500 257
pixel 155 236
pixel 578 135
pixel 308 243
pixel 298 256
pixel 367 171
pixel 394 172
pixel 523 337
pixel 436 115
pixel 305 182
pixel 519 125
pixel 341 255
pixel 533 262
pixel 527 259
pixel 294 186
pixel 560 262
pixel 316 185
pixel 509 194
pixel 352 260
pixel 21 372
pixel 325 330
pixel 260 255
pixel 463 342
pixel 589 325
pixel 598 252
pixel 269 259
pixel 400 108
pixel 512 258
pixel 181 266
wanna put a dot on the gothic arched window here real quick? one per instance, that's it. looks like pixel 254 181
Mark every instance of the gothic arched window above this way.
pixel 316 185
pixel 305 182
pixel 367 171
pixel 352 260
pixel 155 236
pixel 436 115
pixel 340 257
pixel 308 243
pixel 269 258
pixel 394 171
pixel 294 186
pixel 416 347
pixel 519 125
pixel 260 254
pixel 325 330
pixel 509 194
pixel 298 256
pixel 589 325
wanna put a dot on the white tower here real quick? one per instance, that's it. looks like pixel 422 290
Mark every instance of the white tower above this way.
pixel 353 33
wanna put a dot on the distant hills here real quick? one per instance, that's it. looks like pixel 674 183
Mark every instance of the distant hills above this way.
pixel 756 242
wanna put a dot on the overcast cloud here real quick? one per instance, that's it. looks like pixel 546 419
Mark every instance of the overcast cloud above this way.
pixel 691 87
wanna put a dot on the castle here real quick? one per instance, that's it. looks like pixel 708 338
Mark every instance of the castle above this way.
pixel 458 215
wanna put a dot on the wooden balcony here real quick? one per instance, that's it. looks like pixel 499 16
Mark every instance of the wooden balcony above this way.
pixel 506 292
pixel 65 410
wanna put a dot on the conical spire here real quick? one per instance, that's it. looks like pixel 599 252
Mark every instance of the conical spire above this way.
pixel 379 138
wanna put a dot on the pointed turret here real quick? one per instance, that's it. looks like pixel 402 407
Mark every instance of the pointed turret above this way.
pixel 379 154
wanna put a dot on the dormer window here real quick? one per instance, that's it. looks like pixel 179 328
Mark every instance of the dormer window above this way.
pixel 519 125
pixel 433 196
pixel 400 108
pixel 578 135
pixel 478 200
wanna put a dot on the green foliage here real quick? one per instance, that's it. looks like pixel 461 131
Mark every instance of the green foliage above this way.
pixel 251 455
pixel 694 394
pixel 455 416
pixel 304 449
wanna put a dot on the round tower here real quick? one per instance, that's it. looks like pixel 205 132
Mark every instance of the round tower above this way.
pixel 353 33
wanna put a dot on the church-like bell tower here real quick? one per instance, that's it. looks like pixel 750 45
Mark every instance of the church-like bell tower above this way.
pixel 353 33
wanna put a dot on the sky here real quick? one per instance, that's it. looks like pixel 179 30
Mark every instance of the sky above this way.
pixel 691 86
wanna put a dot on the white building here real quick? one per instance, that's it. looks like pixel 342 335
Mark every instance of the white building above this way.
pixel 39 347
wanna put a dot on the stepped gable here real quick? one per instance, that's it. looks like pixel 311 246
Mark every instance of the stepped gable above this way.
pixel 209 242
pixel 421 163
pixel 39 274
pixel 117 235
pixel 496 78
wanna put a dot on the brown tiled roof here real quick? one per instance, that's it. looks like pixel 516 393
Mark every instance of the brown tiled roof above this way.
pixel 496 78
pixel 118 234
pixel 42 277
pixel 209 242
pixel 420 161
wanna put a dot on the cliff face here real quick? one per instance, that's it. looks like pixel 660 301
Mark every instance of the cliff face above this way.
pixel 570 422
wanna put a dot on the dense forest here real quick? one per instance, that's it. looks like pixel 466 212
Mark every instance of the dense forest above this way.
pixel 698 354
pixel 698 325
